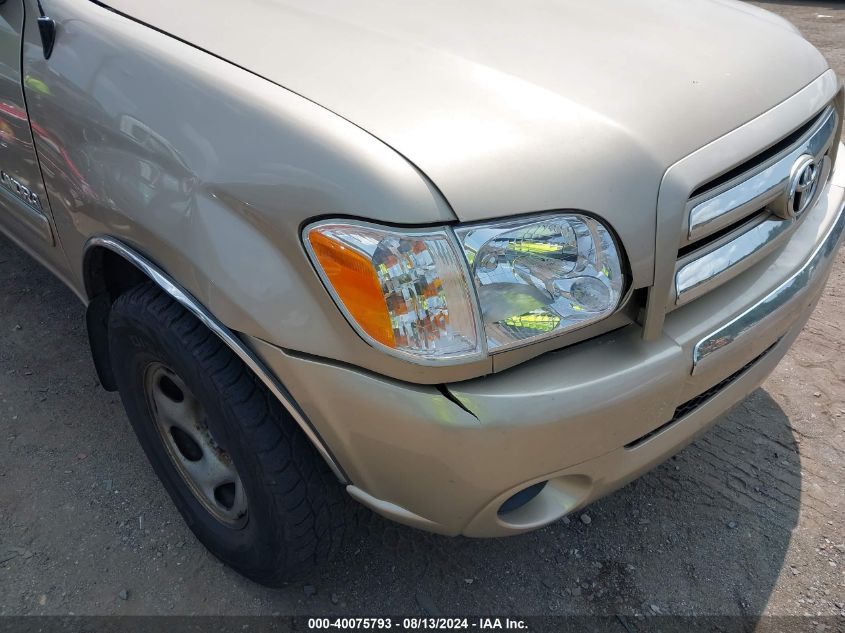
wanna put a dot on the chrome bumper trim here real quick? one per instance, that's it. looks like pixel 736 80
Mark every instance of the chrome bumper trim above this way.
pixel 756 192
pixel 744 324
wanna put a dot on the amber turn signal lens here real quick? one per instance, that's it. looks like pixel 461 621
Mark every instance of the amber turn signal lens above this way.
pixel 355 281
pixel 403 290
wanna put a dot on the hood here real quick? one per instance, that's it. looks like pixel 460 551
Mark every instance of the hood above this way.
pixel 516 106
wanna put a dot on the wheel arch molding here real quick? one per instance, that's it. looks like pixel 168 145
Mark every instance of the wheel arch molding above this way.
pixel 110 267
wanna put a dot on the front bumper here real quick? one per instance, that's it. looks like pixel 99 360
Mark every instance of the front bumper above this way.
pixel 587 419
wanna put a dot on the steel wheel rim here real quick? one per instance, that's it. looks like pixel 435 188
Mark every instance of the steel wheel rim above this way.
pixel 202 463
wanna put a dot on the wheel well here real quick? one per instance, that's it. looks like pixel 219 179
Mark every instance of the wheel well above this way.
pixel 107 275
pixel 110 268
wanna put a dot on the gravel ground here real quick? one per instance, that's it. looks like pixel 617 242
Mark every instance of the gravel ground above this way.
pixel 748 520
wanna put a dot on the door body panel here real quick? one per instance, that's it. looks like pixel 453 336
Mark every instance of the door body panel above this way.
pixel 24 207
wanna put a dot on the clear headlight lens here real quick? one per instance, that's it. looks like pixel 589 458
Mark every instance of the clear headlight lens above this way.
pixel 540 277
pixel 409 291
pixel 404 290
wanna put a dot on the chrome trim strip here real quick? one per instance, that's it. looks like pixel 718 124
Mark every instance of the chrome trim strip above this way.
pixel 744 324
pixel 760 189
pixel 700 275
pixel 243 352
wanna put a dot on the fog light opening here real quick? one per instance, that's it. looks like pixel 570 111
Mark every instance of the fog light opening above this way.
pixel 521 498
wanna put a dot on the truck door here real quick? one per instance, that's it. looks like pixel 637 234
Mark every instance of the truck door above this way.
pixel 24 211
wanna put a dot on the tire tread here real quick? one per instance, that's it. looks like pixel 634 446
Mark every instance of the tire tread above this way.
pixel 313 513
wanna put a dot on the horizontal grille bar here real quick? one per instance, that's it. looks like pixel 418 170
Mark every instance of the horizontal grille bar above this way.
pixel 700 272
pixel 700 275
pixel 754 193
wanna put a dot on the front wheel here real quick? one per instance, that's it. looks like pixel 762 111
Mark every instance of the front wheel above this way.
pixel 249 484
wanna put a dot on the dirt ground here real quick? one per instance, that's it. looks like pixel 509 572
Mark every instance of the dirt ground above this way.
pixel 748 520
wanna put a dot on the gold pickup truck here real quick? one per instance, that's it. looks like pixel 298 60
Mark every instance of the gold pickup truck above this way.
pixel 471 264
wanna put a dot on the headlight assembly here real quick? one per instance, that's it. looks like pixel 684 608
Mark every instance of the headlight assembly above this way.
pixel 540 277
pixel 437 296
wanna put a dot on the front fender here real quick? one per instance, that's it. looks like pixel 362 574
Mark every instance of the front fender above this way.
pixel 210 172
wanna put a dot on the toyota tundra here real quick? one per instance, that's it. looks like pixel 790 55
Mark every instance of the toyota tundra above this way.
pixel 471 264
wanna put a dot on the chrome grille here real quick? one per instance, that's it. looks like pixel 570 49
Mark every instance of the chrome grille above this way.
pixel 734 224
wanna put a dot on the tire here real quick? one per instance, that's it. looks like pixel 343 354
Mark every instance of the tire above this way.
pixel 288 512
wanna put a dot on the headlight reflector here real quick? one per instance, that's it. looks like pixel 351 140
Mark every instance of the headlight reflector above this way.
pixel 539 277
pixel 405 290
